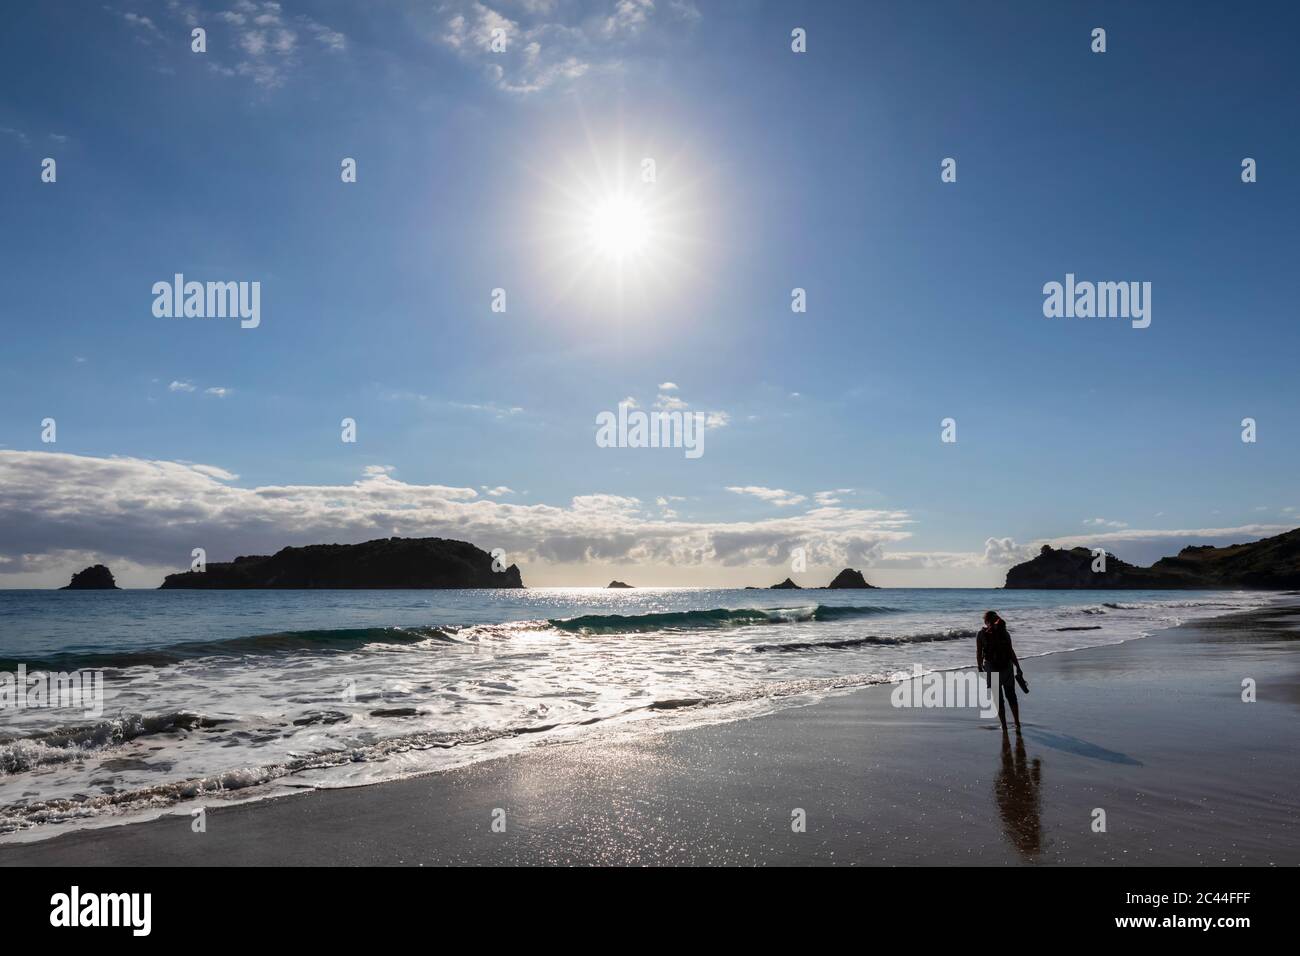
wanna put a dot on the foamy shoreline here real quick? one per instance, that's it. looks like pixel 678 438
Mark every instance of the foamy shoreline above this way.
pixel 1129 726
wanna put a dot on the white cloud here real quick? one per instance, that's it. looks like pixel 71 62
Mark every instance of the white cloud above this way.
pixel 499 491
pixel 1104 523
pixel 549 44
pixel 217 390
pixel 1006 551
pixel 212 471
pixel 146 30
pixel 831 497
pixel 627 18
pixel 331 40
pixel 667 386
pixel 186 11
pixel 153 513
pixel 264 33
pixel 716 419
pixel 664 503
pixel 777 496
pixel 667 402
pixel 253 42
pixel 178 386
pixel 685 10
pixel 670 403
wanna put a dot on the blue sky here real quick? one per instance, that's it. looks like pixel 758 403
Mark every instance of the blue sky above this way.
pixel 776 170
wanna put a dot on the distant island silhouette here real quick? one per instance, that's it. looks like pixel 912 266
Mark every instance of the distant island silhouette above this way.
pixel 94 578
pixel 848 578
pixel 385 563
pixel 1270 564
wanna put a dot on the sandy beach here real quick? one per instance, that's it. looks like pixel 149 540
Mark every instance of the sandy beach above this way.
pixel 1154 732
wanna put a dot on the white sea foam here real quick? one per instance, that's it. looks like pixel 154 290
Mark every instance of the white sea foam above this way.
pixel 239 717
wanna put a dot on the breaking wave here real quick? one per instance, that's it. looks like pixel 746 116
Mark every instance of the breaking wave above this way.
pixel 955 634
pixel 710 620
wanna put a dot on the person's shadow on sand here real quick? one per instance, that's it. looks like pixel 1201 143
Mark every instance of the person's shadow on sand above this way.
pixel 1017 788
pixel 1080 748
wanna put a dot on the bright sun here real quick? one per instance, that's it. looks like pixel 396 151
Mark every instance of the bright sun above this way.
pixel 619 228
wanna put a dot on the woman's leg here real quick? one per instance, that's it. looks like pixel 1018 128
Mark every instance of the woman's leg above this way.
pixel 1002 707
pixel 1007 679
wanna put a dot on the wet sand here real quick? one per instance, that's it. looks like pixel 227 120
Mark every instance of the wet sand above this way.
pixel 1153 732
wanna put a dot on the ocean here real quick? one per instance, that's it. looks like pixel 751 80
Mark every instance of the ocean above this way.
pixel 233 695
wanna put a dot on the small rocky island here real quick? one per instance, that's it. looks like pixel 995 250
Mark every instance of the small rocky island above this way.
pixel 385 563
pixel 1270 563
pixel 616 584
pixel 95 578
pixel 848 578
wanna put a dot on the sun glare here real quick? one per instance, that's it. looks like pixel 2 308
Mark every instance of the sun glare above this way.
pixel 619 227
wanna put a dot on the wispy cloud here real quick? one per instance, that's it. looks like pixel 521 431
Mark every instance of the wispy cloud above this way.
pixel 1105 523
pixel 627 19
pixel 17 134
pixel 146 31
pixel 665 504
pixel 268 39
pixel 490 408
pixel 777 496
pixel 668 400
pixel 543 43
pixel 831 497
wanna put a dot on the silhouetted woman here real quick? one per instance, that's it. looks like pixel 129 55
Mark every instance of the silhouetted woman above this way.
pixel 995 655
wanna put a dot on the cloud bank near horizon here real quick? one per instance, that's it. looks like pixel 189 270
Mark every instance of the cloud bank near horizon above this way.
pixel 60 509
pixel 153 513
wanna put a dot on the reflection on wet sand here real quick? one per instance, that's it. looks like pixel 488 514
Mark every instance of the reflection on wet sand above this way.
pixel 1017 790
